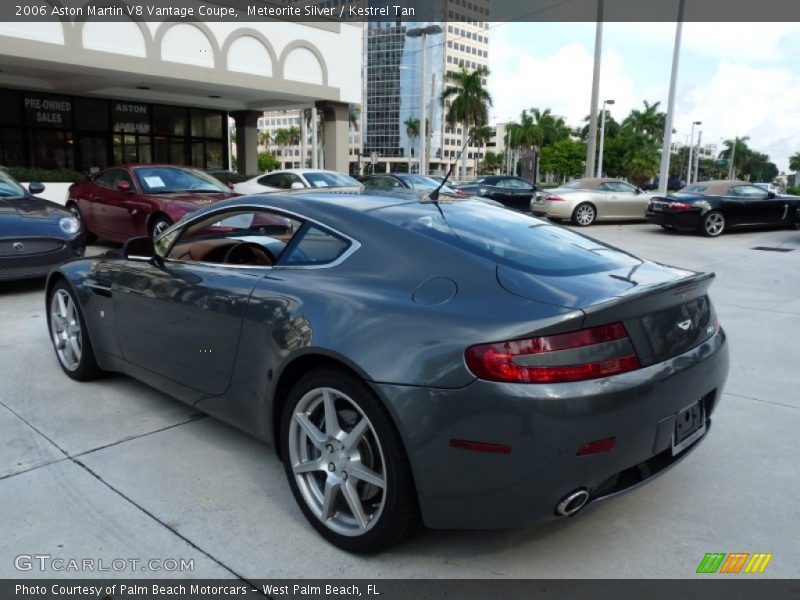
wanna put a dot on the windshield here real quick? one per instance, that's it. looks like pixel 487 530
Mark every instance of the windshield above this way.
pixel 9 188
pixel 507 237
pixel 169 180
pixel 573 185
pixel 323 180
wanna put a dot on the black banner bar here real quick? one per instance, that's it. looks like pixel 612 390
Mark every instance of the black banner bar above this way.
pixel 719 588
pixel 333 11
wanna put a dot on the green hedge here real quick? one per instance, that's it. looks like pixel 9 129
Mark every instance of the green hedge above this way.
pixel 45 175
pixel 794 191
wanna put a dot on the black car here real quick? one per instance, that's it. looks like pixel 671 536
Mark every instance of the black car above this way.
pixel 393 181
pixel 712 207
pixel 35 234
pixel 505 371
pixel 511 191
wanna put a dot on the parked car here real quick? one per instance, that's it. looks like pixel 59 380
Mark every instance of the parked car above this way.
pixel 298 179
pixel 511 191
pixel 35 234
pixel 770 187
pixel 132 200
pixel 393 181
pixel 585 201
pixel 508 372
pixel 713 207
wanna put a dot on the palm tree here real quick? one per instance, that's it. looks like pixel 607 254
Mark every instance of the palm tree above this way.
pixel 264 138
pixel 320 133
pixel 412 132
pixel 293 137
pixel 738 147
pixel 355 116
pixel 281 139
pixel 648 121
pixel 794 161
pixel 469 103
pixel 525 134
pixel 481 135
pixel 491 163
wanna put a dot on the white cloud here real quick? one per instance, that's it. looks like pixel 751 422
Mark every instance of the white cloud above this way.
pixel 739 100
pixel 561 81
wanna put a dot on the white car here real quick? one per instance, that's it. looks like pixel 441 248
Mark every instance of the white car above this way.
pixel 770 187
pixel 298 179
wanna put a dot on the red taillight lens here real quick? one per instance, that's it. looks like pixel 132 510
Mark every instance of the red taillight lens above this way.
pixel 597 447
pixel 679 206
pixel 576 356
pixel 554 198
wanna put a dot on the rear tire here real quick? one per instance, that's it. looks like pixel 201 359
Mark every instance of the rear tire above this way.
pixel 667 227
pixel 69 335
pixel 584 214
pixel 76 212
pixel 346 463
pixel 713 224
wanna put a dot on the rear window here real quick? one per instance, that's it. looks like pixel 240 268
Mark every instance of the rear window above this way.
pixel 507 237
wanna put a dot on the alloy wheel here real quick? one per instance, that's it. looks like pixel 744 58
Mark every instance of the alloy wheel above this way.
pixel 584 215
pixel 337 461
pixel 65 327
pixel 714 223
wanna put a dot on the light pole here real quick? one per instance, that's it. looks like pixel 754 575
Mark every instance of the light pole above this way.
pixel 592 137
pixel 691 145
pixel 666 148
pixel 602 138
pixel 423 33
pixel 697 155
pixel 732 167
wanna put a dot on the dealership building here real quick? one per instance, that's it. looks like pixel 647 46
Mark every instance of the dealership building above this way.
pixel 84 95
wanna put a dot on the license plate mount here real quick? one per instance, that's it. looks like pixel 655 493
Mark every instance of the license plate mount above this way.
pixel 690 425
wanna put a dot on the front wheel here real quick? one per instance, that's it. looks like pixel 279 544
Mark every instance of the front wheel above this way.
pixel 159 225
pixel 584 215
pixel 69 334
pixel 76 212
pixel 346 464
pixel 713 224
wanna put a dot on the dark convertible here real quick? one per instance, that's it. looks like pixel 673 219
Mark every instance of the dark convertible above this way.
pixel 508 371
pixel 713 207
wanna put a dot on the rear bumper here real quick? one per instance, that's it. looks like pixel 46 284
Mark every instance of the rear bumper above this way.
pixel 545 425
pixel 682 220
pixel 557 210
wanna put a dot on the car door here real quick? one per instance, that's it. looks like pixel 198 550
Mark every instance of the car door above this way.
pixel 752 205
pixel 111 215
pixel 89 196
pixel 625 201
pixel 521 190
pixel 181 317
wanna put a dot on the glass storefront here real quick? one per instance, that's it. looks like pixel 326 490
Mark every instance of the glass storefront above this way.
pixel 50 131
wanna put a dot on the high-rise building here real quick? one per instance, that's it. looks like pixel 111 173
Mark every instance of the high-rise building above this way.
pixel 393 80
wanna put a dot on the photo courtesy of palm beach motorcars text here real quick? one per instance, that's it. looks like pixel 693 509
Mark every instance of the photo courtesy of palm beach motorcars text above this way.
pixel 399 299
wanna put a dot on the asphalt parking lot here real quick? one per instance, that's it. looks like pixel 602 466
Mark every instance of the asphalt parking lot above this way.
pixel 115 470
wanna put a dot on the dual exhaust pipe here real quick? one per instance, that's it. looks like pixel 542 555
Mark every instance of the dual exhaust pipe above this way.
pixel 572 502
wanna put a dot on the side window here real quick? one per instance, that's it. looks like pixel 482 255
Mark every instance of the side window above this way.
pixel 621 186
pixel 106 178
pixel 604 187
pixel 749 191
pixel 503 183
pixel 519 184
pixel 316 246
pixel 236 237
pixel 268 180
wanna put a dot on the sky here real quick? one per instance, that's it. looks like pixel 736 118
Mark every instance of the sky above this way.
pixel 739 79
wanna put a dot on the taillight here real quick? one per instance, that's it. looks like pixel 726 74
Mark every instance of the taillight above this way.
pixel 554 198
pixel 576 356
pixel 679 206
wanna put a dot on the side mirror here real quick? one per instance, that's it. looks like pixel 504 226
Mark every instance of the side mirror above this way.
pixel 35 187
pixel 230 185
pixel 123 185
pixel 638 191
pixel 140 249
pixel 770 195
pixel 297 186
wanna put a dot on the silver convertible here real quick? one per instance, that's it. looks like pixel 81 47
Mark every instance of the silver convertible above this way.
pixel 585 201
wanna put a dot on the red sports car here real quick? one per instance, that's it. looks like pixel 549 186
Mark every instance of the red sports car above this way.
pixel 126 201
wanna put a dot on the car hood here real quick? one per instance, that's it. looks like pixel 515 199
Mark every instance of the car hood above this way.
pixel 197 198
pixel 31 207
